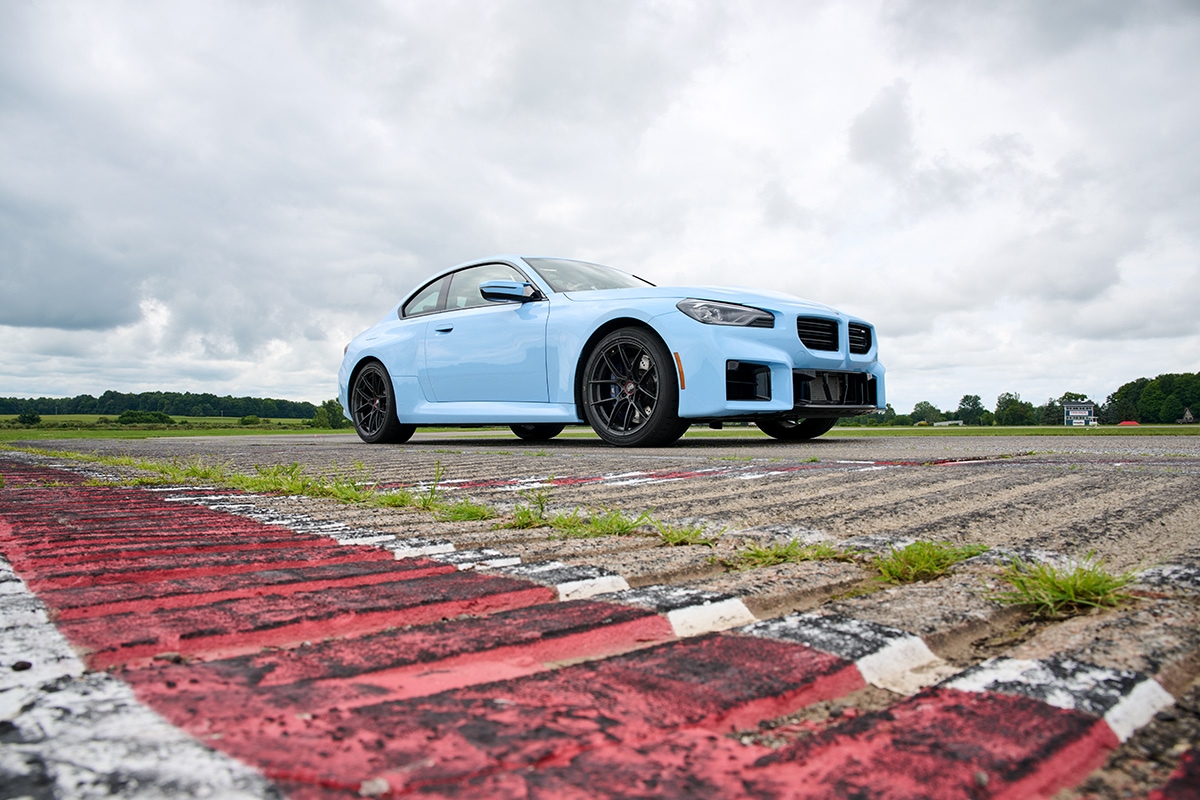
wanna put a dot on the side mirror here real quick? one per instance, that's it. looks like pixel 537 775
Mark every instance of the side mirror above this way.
pixel 509 291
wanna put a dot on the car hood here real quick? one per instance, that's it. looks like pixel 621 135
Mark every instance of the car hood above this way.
pixel 759 298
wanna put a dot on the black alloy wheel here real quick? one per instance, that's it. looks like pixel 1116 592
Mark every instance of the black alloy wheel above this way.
pixel 373 407
pixel 631 391
pixel 537 431
pixel 796 430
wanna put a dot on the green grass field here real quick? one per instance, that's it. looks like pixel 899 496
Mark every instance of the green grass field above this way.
pixel 82 426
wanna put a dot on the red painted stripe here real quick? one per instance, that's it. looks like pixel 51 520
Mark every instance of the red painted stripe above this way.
pixel 233 627
pixel 397 664
pixel 943 743
pixel 234 564
pixel 719 682
pixel 121 598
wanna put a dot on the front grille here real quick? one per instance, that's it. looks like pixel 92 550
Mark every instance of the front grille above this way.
pixel 860 339
pixel 833 388
pixel 818 333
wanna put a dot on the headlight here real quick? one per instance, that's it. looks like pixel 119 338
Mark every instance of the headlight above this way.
pixel 711 312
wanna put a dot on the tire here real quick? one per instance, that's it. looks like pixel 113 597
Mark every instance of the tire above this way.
pixel 797 430
pixel 537 431
pixel 631 391
pixel 373 407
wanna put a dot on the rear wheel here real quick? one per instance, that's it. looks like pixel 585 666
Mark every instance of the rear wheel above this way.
pixel 795 430
pixel 373 407
pixel 537 431
pixel 631 392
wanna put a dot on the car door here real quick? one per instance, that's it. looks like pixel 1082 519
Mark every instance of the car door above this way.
pixel 482 351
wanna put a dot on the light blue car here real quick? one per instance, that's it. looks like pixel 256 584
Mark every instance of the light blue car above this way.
pixel 541 343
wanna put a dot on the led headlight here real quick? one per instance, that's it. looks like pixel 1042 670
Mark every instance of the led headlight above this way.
pixel 711 312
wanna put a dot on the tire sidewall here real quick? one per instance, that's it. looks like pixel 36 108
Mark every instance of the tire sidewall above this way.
pixel 663 426
pixel 391 430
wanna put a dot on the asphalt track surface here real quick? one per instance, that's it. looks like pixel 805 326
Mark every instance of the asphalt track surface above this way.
pixel 192 641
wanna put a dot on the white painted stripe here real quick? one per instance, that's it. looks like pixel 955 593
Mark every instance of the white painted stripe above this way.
pixel 483 558
pixel 1138 708
pixel 708 617
pixel 904 666
pixel 590 587
pixel 571 581
pixel 413 548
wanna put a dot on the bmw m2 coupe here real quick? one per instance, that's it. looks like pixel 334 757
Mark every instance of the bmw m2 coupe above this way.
pixel 541 343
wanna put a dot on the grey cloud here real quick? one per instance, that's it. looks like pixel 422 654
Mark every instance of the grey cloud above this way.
pixel 54 276
pixel 1021 33
pixel 882 134
pixel 780 207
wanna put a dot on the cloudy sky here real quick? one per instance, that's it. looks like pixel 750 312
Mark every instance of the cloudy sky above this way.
pixel 216 196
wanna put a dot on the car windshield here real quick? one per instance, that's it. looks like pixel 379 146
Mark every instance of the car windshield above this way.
pixel 580 276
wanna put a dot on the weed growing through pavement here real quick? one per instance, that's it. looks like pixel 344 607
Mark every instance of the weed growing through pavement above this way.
pixel 431 498
pixel 601 521
pixel 680 535
pixel 461 511
pixel 531 513
pixel 923 561
pixel 1054 593
pixel 793 552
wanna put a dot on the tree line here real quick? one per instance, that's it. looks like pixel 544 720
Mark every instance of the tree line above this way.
pixel 1146 400
pixel 1150 400
pixel 183 404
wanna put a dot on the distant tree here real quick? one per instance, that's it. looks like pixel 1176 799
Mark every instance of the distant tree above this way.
pixel 1049 414
pixel 33 418
pixel 1012 410
pixel 1150 402
pixel 333 411
pixel 970 409
pixel 144 418
pixel 1072 397
pixel 926 411
pixel 320 419
pixel 888 415
pixel 902 419
pixel 249 419
pixel 1172 409
pixel 987 418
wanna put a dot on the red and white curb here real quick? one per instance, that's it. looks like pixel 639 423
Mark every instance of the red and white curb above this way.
pixel 885 657
pixel 1125 700
pixel 66 732
pixel 458 675
pixel 691 612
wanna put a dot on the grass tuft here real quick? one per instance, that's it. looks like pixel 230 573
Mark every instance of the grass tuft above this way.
pixel 681 535
pixel 531 513
pixel 1054 593
pixel 602 521
pixel 923 561
pixel 462 511
pixel 756 556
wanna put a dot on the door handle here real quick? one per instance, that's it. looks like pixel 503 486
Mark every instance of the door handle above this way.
pixel 444 328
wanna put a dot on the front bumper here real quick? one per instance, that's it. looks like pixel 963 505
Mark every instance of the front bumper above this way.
pixel 753 373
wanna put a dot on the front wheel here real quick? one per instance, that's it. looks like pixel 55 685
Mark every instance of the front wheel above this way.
pixel 537 431
pixel 631 392
pixel 373 407
pixel 796 430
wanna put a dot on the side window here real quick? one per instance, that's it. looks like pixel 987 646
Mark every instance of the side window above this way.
pixel 426 300
pixel 464 284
